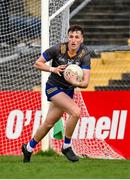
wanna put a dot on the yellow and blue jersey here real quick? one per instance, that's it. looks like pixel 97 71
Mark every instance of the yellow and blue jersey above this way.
pixel 59 56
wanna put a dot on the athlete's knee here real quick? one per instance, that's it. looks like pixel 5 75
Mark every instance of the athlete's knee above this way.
pixel 49 125
pixel 76 113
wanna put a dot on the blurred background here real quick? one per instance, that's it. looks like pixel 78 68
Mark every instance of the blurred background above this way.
pixel 107 26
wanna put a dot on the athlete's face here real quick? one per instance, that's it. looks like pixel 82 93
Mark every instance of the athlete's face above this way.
pixel 74 40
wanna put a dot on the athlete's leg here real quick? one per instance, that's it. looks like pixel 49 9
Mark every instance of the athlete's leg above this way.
pixel 66 103
pixel 53 115
pixel 60 102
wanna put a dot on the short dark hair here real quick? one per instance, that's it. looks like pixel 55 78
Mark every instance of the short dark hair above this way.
pixel 76 27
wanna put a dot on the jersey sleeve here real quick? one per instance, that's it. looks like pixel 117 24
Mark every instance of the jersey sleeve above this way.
pixel 50 53
pixel 86 62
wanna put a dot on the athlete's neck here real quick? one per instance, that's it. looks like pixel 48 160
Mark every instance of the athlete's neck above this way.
pixel 72 52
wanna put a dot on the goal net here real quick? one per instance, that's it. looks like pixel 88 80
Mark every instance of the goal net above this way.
pixel 20 83
pixel 20 106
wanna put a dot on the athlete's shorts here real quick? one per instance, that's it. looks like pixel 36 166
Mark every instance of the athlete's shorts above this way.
pixel 53 90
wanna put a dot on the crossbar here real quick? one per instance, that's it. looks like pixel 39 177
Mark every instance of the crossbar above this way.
pixel 61 9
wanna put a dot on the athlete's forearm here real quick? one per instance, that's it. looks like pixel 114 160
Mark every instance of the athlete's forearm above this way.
pixel 82 84
pixel 42 66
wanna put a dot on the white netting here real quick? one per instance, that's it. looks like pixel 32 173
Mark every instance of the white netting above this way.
pixel 20 28
pixel 59 25
pixel 20 34
pixel 94 148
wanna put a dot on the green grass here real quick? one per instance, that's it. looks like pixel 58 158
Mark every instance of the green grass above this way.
pixel 51 166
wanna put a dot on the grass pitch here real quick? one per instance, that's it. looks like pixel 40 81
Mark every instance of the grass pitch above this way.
pixel 49 165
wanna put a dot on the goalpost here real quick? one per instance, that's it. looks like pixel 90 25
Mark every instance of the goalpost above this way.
pixel 44 75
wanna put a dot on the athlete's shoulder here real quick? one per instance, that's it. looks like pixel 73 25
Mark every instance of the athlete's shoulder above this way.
pixel 55 46
pixel 83 51
pixel 60 47
pixel 85 48
pixel 54 49
pixel 63 47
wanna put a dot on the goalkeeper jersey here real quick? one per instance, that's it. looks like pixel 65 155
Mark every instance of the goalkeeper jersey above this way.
pixel 59 56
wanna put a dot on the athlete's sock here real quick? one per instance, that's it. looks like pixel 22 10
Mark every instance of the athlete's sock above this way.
pixel 31 145
pixel 67 142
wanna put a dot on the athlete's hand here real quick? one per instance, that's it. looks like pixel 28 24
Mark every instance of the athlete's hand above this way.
pixel 72 79
pixel 59 69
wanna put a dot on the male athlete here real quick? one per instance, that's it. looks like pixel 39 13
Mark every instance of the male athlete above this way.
pixel 59 91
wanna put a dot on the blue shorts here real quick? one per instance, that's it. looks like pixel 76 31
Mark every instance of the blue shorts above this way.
pixel 53 90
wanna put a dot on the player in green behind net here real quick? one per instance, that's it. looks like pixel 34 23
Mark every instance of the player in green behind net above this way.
pixel 60 91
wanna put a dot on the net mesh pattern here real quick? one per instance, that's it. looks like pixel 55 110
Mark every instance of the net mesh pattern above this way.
pixel 93 148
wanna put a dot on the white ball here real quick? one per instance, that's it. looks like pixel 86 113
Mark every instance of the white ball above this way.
pixel 75 70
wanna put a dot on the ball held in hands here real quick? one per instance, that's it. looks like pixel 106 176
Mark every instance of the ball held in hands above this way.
pixel 73 72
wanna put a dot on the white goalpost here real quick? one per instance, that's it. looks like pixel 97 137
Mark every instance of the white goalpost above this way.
pixel 44 75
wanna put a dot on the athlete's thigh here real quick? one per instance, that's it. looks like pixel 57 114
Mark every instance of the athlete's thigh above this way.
pixel 65 102
pixel 54 113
